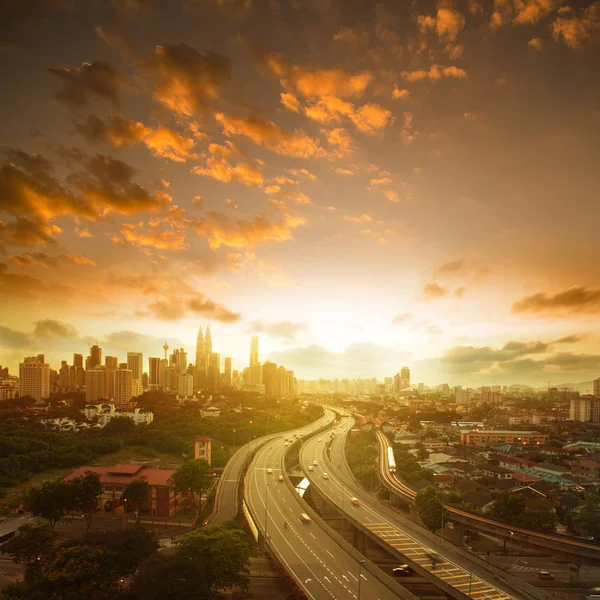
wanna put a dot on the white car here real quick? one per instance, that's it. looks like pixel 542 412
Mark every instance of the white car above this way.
pixel 316 463
pixel 325 475
pixel 310 468
pixel 269 471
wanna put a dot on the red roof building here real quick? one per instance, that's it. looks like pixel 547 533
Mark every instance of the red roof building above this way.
pixel 162 499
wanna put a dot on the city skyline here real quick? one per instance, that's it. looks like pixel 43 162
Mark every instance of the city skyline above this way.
pixel 371 185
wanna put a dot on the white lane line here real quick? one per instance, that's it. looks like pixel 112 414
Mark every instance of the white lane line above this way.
pixel 351 575
pixel 332 556
pixel 311 533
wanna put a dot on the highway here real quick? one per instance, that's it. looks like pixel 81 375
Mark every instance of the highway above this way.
pixel 226 495
pixel 566 545
pixel 455 571
pixel 320 564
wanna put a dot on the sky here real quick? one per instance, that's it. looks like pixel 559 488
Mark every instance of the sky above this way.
pixel 364 185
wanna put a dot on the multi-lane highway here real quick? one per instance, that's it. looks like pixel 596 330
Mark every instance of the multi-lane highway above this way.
pixel 310 551
pixel 226 495
pixel 453 570
pixel 577 550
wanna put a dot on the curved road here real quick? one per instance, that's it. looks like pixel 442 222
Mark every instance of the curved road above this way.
pixel 226 495
pixel 455 568
pixel 324 569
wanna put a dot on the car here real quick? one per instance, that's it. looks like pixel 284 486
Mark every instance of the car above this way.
pixel 310 468
pixel 269 471
pixel 319 440
pixel 545 575
pixel 355 501
pixel 305 518
pixel 402 571
pixel 325 475
pixel 315 462
pixel 280 478
pixel 286 444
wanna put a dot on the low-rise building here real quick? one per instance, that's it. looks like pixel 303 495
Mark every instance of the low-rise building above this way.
pixel 486 437
pixel 162 498
pixel 105 412
pixel 496 472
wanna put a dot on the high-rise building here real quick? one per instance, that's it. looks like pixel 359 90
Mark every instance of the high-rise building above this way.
pixel 135 363
pixel 186 385
pixel 123 384
pixel 585 408
pixel 154 373
pixel 254 350
pixel 111 364
pixel 95 385
pixel 404 377
pixel 34 378
pixel 79 379
pixel 227 381
pixel 270 378
pixel 178 360
pixel 213 372
pixel 208 342
pixel 95 357
pixel 597 387
pixel 200 352
pixel 63 375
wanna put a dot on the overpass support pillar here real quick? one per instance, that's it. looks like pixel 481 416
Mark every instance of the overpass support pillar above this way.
pixel 574 572
pixel 360 541
pixel 393 499
pixel 414 514
pixel 460 531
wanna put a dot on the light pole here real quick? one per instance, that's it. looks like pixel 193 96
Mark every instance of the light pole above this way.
pixel 342 508
pixel 360 566
pixel 266 511
pixel 234 438
pixel 250 430
pixel 442 528
pixel 470 583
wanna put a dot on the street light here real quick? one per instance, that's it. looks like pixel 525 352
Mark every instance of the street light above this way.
pixel 360 566
pixel 234 438
pixel 250 430
pixel 266 512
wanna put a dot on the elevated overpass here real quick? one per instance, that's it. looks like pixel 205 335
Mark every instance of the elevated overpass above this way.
pixel 456 572
pixel 561 546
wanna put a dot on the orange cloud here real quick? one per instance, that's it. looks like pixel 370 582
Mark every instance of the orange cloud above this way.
pixel 447 24
pixel 402 94
pixel 314 83
pixel 290 102
pixel 343 172
pixel 217 166
pixel 522 12
pixel 434 290
pixel 364 218
pixel 161 239
pixel 223 231
pixel 435 73
pixel 187 81
pixel 304 173
pixel 576 27
pixel 572 301
pixel 40 259
pixel 391 195
pixel 535 43
pixel 121 132
pixel 267 134
pixel 341 141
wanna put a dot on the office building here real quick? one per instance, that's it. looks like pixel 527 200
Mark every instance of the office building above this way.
pixel 154 373
pixel 135 363
pixel 585 409
pixel 200 353
pixel 404 377
pixel 95 357
pixel 484 437
pixel 254 350
pixel 34 378
pixel 111 364
pixel 203 449
pixel 186 385
pixel 227 381
pixel 269 377
pixel 597 387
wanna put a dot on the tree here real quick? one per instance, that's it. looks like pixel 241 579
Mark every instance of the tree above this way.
pixel 540 515
pixel 32 544
pixel 204 562
pixel 430 508
pixel 587 522
pixel 194 476
pixel 135 497
pixel 510 507
pixel 51 501
pixel 85 491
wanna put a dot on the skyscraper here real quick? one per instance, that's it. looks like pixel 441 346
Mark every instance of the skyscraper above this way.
pixel 253 350
pixel 597 387
pixel 227 381
pixel 270 378
pixel 111 364
pixel 95 385
pixel 208 342
pixel 404 377
pixel 135 362
pixel 154 374
pixel 123 384
pixel 95 357
pixel 199 348
pixel 34 378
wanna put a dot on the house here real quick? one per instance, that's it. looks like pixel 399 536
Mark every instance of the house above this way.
pixel 408 440
pixel 496 472
pixel 524 478
pixel 587 467
pixel 211 411
pixel 510 462
pixel 386 427
pixel 162 498
pixel 203 448
pixel 483 501
pixel 486 437
pixel 103 413
pixel 443 480
pixel 434 444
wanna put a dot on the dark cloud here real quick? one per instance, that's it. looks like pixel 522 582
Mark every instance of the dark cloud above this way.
pixel 287 330
pixel 174 308
pixel 28 232
pixel 17 288
pixel 89 82
pixel 234 9
pixel 402 318
pixel 357 360
pixel 13 339
pixel 571 339
pixel 117 130
pixel 187 81
pixel 34 259
pixel 453 266
pixel 49 328
pixel 574 300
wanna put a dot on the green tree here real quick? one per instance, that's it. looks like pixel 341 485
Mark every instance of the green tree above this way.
pixel 193 477
pixel 85 491
pixel 510 507
pixel 135 497
pixel 430 508
pixel 51 501
pixel 204 562
pixel 32 544
pixel 587 522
